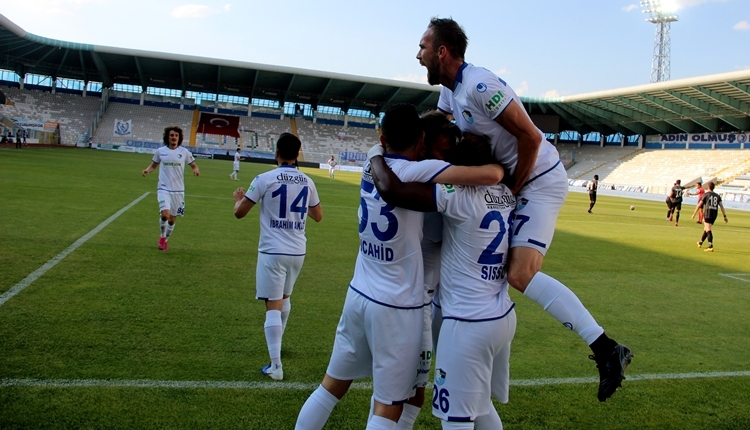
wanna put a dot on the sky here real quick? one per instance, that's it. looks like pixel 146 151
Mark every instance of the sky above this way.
pixel 542 48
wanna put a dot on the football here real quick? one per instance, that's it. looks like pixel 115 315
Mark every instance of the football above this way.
pixel 632 208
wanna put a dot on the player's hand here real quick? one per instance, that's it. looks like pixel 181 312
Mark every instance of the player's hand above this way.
pixel 144 172
pixel 725 219
pixel 196 172
pixel 238 194
pixel 692 216
pixel 377 150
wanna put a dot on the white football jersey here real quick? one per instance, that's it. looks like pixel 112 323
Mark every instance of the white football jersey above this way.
pixel 284 195
pixel 389 268
pixel 477 224
pixel 237 157
pixel 478 97
pixel 171 168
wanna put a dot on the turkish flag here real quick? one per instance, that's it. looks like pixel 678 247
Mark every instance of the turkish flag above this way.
pixel 223 125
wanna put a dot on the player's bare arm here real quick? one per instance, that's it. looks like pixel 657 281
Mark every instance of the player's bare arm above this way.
pixel 151 167
pixel 517 122
pixel 315 212
pixel 489 174
pixel 241 205
pixel 196 170
pixel 410 195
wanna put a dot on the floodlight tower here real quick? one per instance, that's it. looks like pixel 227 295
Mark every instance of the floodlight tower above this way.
pixel 661 16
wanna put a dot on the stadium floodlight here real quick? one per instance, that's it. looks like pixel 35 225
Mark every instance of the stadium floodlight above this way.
pixel 661 13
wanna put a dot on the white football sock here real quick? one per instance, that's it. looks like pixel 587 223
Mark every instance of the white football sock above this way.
pixel 380 423
pixel 316 410
pixel 286 308
pixel 273 336
pixel 162 227
pixel 170 229
pixel 490 421
pixel 408 417
pixel 564 305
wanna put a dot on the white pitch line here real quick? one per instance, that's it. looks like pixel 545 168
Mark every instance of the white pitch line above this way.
pixel 736 276
pixel 57 258
pixel 242 385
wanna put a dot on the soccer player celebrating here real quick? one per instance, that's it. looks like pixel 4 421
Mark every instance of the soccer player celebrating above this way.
pixel 483 104
pixel 478 318
pixel 379 333
pixel 285 195
pixel 711 202
pixel 170 190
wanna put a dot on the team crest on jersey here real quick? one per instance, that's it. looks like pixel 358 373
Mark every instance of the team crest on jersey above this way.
pixel 179 155
pixel 468 117
pixel 481 87
pixel 521 203
pixel 439 377
pixel 494 103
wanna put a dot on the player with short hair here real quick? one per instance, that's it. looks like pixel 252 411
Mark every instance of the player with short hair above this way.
pixel 484 104
pixel 710 203
pixel 675 195
pixel 332 163
pixel 380 328
pixel 700 192
pixel 236 165
pixel 286 196
pixel 170 191
pixel 479 322
pixel 592 187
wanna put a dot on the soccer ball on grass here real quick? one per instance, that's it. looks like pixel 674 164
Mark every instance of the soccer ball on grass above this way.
pixel 632 208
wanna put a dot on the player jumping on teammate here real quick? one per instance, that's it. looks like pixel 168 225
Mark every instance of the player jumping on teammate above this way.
pixel 484 104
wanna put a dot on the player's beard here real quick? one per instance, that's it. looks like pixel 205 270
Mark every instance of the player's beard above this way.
pixel 433 74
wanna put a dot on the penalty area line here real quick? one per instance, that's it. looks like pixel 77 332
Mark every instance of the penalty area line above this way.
pixel 38 273
pixel 243 385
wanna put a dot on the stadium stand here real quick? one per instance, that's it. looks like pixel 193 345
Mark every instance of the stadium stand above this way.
pixel 660 168
pixel 592 159
pixel 148 122
pixel 74 113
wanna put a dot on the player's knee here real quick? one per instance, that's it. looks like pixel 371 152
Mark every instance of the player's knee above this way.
pixel 519 275
pixel 418 399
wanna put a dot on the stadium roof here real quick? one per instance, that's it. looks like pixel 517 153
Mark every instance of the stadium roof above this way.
pixel 715 103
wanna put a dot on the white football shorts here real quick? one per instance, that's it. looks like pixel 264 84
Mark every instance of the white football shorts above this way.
pixel 537 206
pixel 173 202
pixel 236 166
pixel 472 364
pixel 275 275
pixel 378 341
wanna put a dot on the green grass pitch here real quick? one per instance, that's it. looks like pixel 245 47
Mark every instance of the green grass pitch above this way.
pixel 96 340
